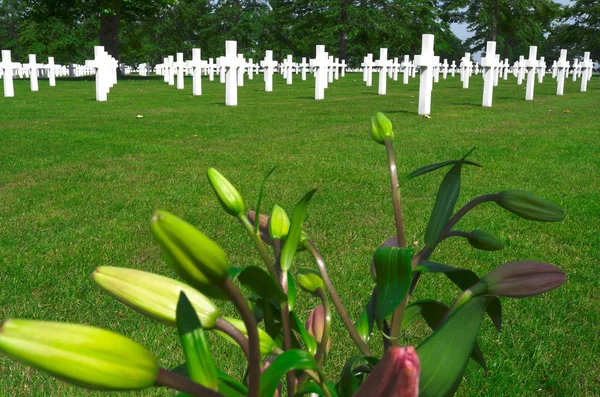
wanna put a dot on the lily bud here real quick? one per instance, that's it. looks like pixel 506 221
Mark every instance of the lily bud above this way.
pixel 230 199
pixel 195 257
pixel 381 128
pixel 263 227
pixel 315 324
pixel 520 280
pixel 279 223
pixel 529 206
pixel 396 374
pixel 153 295
pixel 86 356
pixel 309 280
pixel 266 343
pixel 483 240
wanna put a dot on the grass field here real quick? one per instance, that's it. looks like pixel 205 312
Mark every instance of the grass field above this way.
pixel 79 181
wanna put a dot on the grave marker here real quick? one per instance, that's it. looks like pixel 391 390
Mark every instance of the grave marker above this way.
pixel 230 64
pixel 32 68
pixel 319 65
pixel 426 61
pixel 7 66
pixel 383 64
pixel 489 64
pixel 531 65
pixel 562 67
pixel 196 65
pixel 269 65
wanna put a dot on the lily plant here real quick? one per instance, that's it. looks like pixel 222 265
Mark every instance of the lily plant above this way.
pixel 284 352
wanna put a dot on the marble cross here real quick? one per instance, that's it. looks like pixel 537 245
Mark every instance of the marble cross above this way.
pixel 268 65
pixel 33 67
pixel 196 65
pixel 586 67
pixel 368 69
pixel 319 65
pixel 229 65
pixel 51 71
pixel 383 64
pixel 466 66
pixel 426 61
pixel 489 64
pixel 562 67
pixel 179 66
pixel 7 67
pixel 531 65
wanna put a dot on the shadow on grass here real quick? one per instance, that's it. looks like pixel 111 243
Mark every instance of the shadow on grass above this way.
pixel 397 111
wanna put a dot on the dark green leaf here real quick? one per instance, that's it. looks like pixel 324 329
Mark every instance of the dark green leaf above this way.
pixel 261 283
pixel 231 387
pixel 411 313
pixel 433 312
pixel 364 324
pixel 444 205
pixel 464 279
pixel 293 239
pixel 291 292
pixel 444 355
pixel 234 272
pixel 260 197
pixel 288 361
pixel 200 365
pixel 394 271
pixel 350 380
pixel 433 167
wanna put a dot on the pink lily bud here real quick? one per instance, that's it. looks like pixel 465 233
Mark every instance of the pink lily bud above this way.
pixel 315 324
pixel 396 375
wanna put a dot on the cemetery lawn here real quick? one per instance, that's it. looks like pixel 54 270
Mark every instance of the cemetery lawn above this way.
pixel 79 181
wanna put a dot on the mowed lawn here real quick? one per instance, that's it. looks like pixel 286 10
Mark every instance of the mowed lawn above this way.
pixel 79 181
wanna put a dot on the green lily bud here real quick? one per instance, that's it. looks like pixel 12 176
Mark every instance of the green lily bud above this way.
pixel 279 223
pixel 396 374
pixel 520 280
pixel 266 343
pixel 153 295
pixel 529 206
pixel 230 199
pixel 309 280
pixel 86 356
pixel 195 257
pixel 483 240
pixel 381 128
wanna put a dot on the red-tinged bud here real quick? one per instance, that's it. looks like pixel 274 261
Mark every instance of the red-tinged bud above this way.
pixel 396 375
pixel 315 324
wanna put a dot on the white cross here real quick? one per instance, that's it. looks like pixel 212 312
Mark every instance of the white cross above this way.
pixel 180 67
pixel 541 69
pixel 368 69
pixel 51 71
pixel 554 69
pixel 230 64
pixel 445 69
pixel 304 66
pixel 489 64
pixel 343 66
pixel 383 64
pixel 250 65
pixel 330 67
pixel 453 68
pixel 394 69
pixel 586 67
pixel 505 70
pixel 576 69
pixel 288 65
pixel 170 70
pixel 406 64
pixel 7 67
pixel 426 60
pixel 562 65
pixel 319 65
pixel 241 70
pixel 211 69
pixel 531 64
pixel 466 66
pixel 102 67
pixel 521 70
pixel 196 65
pixel 268 65
pixel 32 67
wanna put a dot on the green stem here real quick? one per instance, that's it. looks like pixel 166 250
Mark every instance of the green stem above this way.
pixel 466 208
pixel 322 349
pixel 462 299
pixel 254 352
pixel 285 321
pixel 395 186
pixel 262 250
pixel 397 320
pixel 364 349
pixel 183 384
pixel 228 328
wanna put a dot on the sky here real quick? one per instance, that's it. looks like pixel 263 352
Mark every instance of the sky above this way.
pixel 460 29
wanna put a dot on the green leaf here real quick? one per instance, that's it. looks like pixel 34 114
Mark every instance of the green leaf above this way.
pixel 444 355
pixel 261 283
pixel 433 312
pixel 200 365
pixel 464 279
pixel 308 340
pixel 293 239
pixel 411 313
pixel 444 205
pixel 433 167
pixel 364 324
pixel 260 198
pixel 291 292
pixel 350 380
pixel 394 272
pixel 231 387
pixel 234 272
pixel 288 361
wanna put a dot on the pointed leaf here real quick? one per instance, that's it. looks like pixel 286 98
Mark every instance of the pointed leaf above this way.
pixel 394 272
pixel 308 340
pixel 261 283
pixel 260 197
pixel 291 292
pixel 444 205
pixel 293 239
pixel 288 361
pixel 349 380
pixel 231 387
pixel 464 279
pixel 200 365
pixel 433 167
pixel 364 324
pixel 444 355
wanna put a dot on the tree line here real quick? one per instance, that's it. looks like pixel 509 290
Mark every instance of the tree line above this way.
pixel 137 31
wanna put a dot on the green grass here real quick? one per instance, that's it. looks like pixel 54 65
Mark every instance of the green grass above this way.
pixel 79 181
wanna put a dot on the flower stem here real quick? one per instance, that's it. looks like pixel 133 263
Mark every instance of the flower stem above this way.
pixel 262 250
pixel 322 349
pixel 364 349
pixel 395 193
pixel 254 352
pixel 226 327
pixel 285 320
pixel 183 384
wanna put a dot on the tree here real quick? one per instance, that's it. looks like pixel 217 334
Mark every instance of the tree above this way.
pixel 580 27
